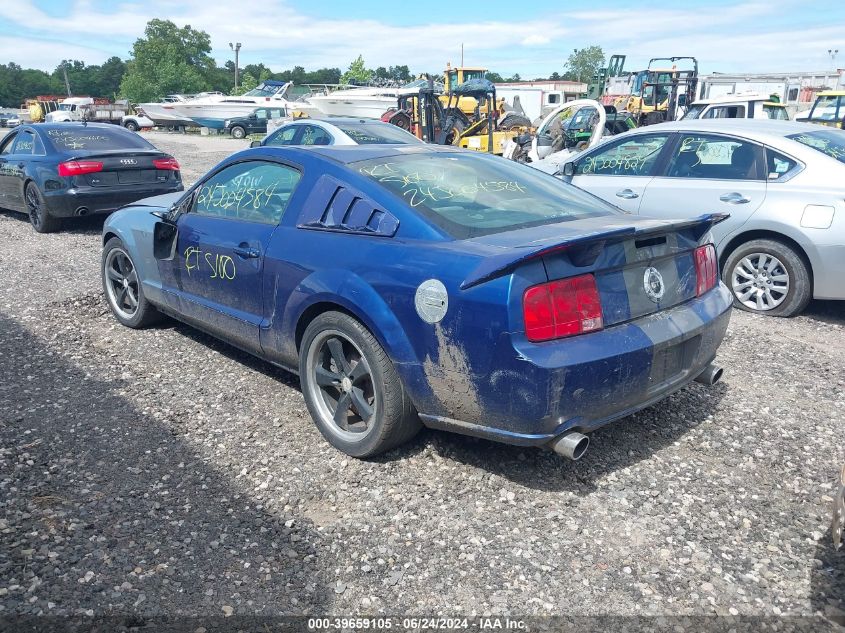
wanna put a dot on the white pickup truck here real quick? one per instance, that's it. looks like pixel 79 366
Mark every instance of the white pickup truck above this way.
pixel 737 106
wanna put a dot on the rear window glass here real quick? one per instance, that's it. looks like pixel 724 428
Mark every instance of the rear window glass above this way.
pixel 94 139
pixel 470 195
pixel 829 142
pixel 369 134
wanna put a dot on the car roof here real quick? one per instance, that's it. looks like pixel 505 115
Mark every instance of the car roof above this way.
pixel 346 154
pixel 79 124
pixel 751 128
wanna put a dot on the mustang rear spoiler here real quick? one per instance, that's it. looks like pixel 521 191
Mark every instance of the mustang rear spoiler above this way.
pixel 498 265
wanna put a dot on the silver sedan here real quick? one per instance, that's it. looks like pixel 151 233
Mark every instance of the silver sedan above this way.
pixel 783 184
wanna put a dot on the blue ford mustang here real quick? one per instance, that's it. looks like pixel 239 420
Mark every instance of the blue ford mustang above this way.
pixel 411 285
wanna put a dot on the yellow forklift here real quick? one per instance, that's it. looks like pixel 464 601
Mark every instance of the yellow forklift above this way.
pixel 657 93
pixel 444 120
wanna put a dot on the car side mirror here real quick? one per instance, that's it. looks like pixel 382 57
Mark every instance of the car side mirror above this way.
pixel 568 169
pixel 255 144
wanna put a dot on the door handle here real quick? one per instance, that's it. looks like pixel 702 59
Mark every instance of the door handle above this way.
pixel 246 252
pixel 627 194
pixel 734 198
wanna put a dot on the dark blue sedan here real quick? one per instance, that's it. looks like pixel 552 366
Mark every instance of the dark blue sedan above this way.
pixel 52 171
pixel 411 285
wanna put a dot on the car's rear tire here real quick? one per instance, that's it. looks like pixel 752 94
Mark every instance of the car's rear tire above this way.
pixel 123 289
pixel 238 132
pixel 768 277
pixel 132 126
pixel 351 388
pixel 39 214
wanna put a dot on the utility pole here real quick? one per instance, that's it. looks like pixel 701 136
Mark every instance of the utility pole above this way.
pixel 462 54
pixel 237 48
pixel 67 83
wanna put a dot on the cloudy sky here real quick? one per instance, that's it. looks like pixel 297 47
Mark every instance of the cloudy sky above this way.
pixel 531 38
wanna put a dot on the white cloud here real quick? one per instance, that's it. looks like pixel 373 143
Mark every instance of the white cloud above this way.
pixel 731 38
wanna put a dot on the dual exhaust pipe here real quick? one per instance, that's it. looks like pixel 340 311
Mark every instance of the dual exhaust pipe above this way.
pixel 573 445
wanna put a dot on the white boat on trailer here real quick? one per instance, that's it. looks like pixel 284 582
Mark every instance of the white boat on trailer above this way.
pixel 362 103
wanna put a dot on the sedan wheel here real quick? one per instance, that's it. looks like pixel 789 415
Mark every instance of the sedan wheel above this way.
pixel 39 216
pixel 768 277
pixel 352 389
pixel 123 288
pixel 760 281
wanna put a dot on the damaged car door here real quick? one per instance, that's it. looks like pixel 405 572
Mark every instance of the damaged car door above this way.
pixel 215 274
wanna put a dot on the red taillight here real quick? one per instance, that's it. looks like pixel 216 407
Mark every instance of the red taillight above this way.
pixel 562 308
pixel 79 167
pixel 706 269
pixel 170 164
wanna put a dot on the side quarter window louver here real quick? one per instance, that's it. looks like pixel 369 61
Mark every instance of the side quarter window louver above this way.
pixel 332 206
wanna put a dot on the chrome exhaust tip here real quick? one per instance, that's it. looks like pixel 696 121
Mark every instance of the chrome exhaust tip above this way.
pixel 572 445
pixel 711 375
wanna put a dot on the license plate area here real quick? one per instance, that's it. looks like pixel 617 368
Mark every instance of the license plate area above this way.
pixel 672 363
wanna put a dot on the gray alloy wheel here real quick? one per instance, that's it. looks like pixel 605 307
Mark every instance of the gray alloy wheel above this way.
pixel 121 280
pixel 39 215
pixel 131 126
pixel 351 387
pixel 341 384
pixel 769 277
pixel 760 281
pixel 122 285
pixel 238 132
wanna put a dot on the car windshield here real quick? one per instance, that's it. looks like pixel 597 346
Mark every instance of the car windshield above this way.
pixel 776 112
pixel 376 134
pixel 94 139
pixel 470 195
pixel 829 142
pixel 694 111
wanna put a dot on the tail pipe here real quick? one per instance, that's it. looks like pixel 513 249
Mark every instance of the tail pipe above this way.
pixel 572 445
pixel 711 375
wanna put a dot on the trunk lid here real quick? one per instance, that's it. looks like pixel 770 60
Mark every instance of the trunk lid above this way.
pixel 641 265
pixel 125 168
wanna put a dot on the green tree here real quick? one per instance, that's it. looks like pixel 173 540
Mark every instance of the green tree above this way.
pixel 399 73
pixel 583 63
pixel 358 73
pixel 496 78
pixel 18 84
pixel 168 59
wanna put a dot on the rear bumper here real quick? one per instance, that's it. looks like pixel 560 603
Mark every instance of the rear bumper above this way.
pixel 586 382
pixel 828 276
pixel 97 200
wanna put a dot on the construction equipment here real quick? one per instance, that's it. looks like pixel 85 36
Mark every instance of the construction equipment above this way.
pixel 657 94
pixel 443 119
pixel 597 88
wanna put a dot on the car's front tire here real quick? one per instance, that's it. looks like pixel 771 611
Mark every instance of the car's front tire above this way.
pixel 238 132
pixel 132 126
pixel 39 214
pixel 768 277
pixel 123 289
pixel 351 388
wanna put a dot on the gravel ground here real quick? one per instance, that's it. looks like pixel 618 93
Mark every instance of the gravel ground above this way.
pixel 162 472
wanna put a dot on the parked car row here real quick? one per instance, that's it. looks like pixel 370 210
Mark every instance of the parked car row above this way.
pixel 9 119
pixel 409 284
